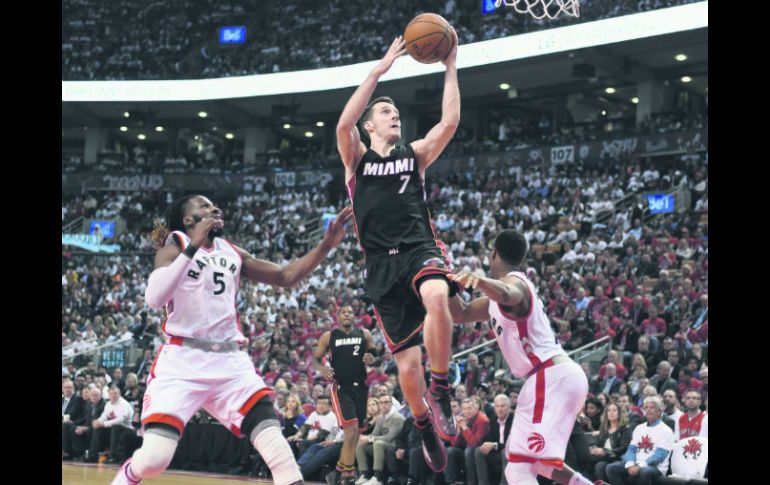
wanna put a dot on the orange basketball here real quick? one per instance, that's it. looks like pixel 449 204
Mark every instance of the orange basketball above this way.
pixel 429 38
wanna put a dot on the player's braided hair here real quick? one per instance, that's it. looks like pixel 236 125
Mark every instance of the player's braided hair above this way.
pixel 173 217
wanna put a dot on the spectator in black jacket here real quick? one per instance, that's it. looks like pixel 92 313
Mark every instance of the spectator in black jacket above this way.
pixel 490 455
pixel 72 409
pixel 82 434
pixel 661 381
pixel 612 440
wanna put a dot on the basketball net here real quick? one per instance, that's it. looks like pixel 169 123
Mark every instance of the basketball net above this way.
pixel 540 9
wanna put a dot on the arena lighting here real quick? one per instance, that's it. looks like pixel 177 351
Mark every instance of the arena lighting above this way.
pixel 319 124
pixel 686 79
pixel 124 128
pixel 309 134
pixel 532 44
pixel 680 57
pixel 610 90
pixel 141 136
pixel 229 136
pixel 202 114
pixel 604 112
pixel 158 129
pixel 505 86
pixel 126 114
pixel 286 126
pixel 635 100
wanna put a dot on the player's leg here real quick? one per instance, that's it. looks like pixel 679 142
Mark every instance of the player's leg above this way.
pixel 153 457
pixel 350 408
pixel 243 405
pixel 431 285
pixel 411 376
pixel 173 396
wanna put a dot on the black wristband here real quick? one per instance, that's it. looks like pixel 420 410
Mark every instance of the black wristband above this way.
pixel 190 251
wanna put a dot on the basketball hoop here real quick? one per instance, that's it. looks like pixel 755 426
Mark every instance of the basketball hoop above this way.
pixel 540 9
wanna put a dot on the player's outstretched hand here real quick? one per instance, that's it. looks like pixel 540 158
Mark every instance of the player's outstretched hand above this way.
pixel 337 228
pixel 451 58
pixel 396 50
pixel 468 280
pixel 201 230
pixel 368 359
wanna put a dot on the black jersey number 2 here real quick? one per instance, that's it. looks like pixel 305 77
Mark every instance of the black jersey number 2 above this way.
pixel 218 281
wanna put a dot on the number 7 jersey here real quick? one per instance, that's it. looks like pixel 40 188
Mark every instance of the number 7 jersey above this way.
pixel 388 195
pixel 203 306
pixel 524 341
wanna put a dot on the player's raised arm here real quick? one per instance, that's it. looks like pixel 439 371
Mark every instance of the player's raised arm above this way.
pixel 348 140
pixel 259 270
pixel 429 148
pixel 475 311
pixel 505 291
pixel 171 264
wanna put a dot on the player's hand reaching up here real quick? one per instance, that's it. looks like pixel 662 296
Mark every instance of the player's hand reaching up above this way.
pixel 337 228
pixel 396 50
pixel 451 58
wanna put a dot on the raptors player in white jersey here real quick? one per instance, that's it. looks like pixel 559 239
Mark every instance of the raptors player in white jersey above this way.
pixel 196 278
pixel 555 387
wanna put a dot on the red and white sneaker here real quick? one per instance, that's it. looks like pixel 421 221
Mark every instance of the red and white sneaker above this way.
pixel 125 477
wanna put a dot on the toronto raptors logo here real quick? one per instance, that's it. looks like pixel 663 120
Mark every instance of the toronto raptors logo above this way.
pixel 693 447
pixel 645 444
pixel 536 442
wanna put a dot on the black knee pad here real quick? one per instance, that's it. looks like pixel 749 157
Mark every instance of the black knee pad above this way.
pixel 163 429
pixel 261 411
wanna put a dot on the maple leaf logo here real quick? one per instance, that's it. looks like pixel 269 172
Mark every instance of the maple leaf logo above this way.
pixel 693 447
pixel 646 444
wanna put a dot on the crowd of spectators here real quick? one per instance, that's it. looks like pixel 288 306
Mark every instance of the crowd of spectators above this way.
pixel 506 134
pixel 642 280
pixel 174 39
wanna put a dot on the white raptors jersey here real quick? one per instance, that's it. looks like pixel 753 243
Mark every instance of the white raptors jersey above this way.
pixel 203 305
pixel 525 341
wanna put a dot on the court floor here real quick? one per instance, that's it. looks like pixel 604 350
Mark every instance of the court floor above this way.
pixel 88 474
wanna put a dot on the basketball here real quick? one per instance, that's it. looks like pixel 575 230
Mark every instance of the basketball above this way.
pixel 428 38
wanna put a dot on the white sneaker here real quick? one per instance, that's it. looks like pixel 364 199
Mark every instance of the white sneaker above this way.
pixel 362 479
pixel 373 481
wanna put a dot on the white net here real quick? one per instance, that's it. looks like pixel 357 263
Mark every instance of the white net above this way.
pixel 541 9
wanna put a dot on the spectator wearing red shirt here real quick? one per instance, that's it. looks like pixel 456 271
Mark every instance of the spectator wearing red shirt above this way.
pixel 596 305
pixel 472 426
pixel 613 358
pixel 686 336
pixel 688 383
pixel 654 327
pixel 604 328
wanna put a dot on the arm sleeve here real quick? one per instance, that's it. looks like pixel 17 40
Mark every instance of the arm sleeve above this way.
pixel 163 281
pixel 630 455
pixel 657 457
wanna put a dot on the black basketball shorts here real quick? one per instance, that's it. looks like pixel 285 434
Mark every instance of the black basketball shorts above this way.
pixel 393 283
pixel 349 402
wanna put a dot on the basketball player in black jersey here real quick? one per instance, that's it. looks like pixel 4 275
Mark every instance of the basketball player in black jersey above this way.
pixel 349 348
pixel 405 264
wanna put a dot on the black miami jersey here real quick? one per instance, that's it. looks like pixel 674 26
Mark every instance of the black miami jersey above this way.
pixel 347 351
pixel 389 205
